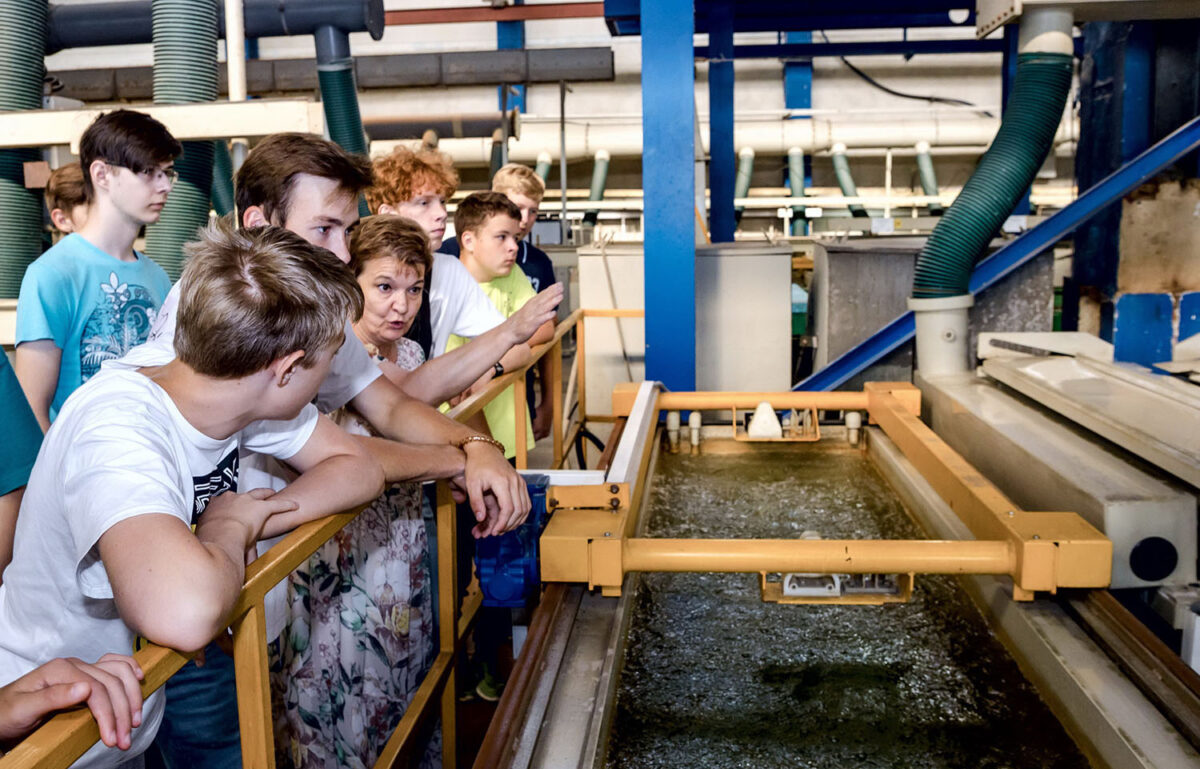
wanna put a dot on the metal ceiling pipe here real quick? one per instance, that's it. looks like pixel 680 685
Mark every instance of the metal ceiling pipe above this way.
pixel 128 22
pixel 767 138
pixel 478 125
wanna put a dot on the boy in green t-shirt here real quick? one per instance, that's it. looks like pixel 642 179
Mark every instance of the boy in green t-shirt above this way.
pixel 488 226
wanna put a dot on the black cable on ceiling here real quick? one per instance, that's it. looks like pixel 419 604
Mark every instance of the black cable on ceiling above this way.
pixel 919 97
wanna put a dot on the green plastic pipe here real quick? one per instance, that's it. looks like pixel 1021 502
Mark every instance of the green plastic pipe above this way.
pixel 496 159
pixel 929 184
pixel 24 27
pixel 841 168
pixel 741 182
pixel 795 157
pixel 185 72
pixel 542 169
pixel 599 182
pixel 1031 118
pixel 222 179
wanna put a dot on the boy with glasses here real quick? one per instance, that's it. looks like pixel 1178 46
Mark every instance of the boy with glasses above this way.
pixel 92 297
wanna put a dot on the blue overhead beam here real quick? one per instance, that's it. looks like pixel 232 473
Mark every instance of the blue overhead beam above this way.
pixel 797 74
pixel 669 179
pixel 510 36
pixel 624 16
pixel 1017 252
pixel 791 50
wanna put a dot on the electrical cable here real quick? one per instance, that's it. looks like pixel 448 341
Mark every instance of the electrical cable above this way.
pixel 916 96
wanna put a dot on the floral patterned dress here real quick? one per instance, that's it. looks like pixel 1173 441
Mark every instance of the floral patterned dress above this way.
pixel 360 636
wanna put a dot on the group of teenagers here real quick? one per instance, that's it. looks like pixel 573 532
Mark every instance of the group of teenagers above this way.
pixel 158 438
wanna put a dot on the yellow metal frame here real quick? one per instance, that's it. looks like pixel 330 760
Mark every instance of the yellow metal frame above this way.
pixel 1040 551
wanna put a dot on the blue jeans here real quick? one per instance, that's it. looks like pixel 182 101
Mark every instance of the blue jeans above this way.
pixel 200 725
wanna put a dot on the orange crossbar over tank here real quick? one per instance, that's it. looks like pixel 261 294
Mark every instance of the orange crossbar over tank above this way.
pixel 822 556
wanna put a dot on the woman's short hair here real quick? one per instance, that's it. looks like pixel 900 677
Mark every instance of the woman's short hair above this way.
pixel 251 296
pixel 400 176
pixel 387 235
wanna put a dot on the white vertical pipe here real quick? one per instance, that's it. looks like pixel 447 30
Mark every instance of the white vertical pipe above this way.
pixel 235 60
pixel 887 184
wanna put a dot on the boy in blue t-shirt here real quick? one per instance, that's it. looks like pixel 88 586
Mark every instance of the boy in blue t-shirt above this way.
pixel 91 297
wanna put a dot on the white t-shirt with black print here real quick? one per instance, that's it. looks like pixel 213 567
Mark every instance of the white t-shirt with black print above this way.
pixel 119 449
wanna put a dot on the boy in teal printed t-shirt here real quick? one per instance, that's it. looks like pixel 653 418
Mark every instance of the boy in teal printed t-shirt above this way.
pixel 488 226
pixel 92 297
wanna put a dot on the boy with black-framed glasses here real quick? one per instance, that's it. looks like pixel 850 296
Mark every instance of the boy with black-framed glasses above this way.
pixel 92 297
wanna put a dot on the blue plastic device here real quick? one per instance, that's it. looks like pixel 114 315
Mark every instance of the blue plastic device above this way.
pixel 507 565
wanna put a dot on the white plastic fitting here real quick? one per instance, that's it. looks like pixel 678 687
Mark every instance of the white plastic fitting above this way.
pixel 853 426
pixel 1046 30
pixel 673 431
pixel 941 333
pixel 694 423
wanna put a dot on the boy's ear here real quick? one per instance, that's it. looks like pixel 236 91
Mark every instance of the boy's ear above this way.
pixel 61 221
pixel 99 170
pixel 283 368
pixel 387 208
pixel 253 217
pixel 466 240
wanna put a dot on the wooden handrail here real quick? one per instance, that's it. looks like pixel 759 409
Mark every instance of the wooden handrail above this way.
pixel 62 739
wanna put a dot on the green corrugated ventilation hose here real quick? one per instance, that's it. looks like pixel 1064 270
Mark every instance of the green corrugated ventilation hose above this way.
pixel 841 168
pixel 339 93
pixel 185 71
pixel 1026 135
pixel 929 184
pixel 340 99
pixel 222 178
pixel 24 27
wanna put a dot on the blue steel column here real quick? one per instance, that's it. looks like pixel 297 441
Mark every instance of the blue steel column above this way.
pixel 668 181
pixel 510 36
pixel 722 152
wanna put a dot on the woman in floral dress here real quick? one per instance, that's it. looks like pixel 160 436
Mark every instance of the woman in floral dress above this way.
pixel 361 635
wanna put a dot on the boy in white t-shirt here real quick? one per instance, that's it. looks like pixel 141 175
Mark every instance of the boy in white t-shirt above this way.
pixel 104 546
